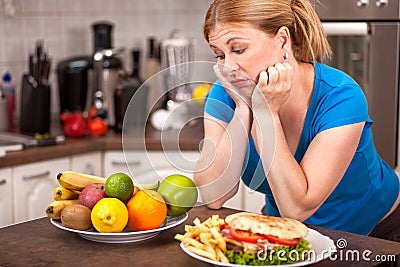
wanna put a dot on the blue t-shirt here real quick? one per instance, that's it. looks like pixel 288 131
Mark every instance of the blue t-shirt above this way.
pixel 369 187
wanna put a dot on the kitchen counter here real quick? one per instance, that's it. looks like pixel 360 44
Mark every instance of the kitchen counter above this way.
pixel 187 138
pixel 39 243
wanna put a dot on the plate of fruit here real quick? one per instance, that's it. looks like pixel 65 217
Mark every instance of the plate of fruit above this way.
pixel 115 210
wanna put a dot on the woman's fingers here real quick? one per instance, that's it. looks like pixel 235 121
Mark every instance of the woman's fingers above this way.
pixel 276 83
pixel 273 75
pixel 263 79
pixel 280 77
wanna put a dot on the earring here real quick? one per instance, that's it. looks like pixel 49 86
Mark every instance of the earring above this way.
pixel 286 55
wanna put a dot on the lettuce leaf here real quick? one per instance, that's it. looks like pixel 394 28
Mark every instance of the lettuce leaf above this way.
pixel 280 255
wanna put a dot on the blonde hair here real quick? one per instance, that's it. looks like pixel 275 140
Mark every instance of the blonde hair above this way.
pixel 309 41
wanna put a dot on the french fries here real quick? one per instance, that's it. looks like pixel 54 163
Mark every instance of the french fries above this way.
pixel 205 238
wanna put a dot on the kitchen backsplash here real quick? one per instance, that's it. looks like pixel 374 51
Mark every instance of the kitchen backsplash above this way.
pixel 65 28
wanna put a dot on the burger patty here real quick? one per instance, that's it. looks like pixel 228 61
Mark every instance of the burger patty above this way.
pixel 234 247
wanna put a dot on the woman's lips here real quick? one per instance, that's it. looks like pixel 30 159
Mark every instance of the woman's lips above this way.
pixel 239 82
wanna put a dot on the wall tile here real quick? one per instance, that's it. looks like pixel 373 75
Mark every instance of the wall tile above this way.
pixel 2 45
pixel 78 7
pixel 13 28
pixel 65 27
pixel 33 27
pixel 40 6
pixel 14 52
pixel 18 7
pixel 77 38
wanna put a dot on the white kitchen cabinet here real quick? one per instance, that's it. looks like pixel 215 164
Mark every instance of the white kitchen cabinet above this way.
pixel 114 161
pixel 150 166
pixel 147 167
pixel 89 163
pixel 6 197
pixel 247 200
pixel 33 187
pixel 236 202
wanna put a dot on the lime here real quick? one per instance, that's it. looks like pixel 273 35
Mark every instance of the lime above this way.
pixel 119 185
pixel 109 215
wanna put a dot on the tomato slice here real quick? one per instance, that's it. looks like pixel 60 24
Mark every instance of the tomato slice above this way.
pixel 286 242
pixel 225 226
pixel 245 236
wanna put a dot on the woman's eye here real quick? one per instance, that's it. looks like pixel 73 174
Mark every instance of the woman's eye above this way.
pixel 238 51
pixel 219 56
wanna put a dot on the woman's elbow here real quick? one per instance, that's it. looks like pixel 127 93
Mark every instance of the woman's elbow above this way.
pixel 301 212
pixel 214 205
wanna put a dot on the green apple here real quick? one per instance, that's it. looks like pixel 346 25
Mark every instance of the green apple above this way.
pixel 179 192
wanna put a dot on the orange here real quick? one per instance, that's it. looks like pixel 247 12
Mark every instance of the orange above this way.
pixel 146 210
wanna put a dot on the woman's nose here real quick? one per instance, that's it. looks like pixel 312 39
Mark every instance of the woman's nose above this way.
pixel 229 66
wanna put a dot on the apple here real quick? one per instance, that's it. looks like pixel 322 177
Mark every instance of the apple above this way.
pixel 91 194
pixel 179 192
pixel 74 124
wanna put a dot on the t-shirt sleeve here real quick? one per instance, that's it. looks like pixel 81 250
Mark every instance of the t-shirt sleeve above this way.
pixel 219 104
pixel 343 106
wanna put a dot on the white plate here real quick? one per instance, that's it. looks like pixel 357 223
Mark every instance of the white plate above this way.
pixel 127 235
pixel 322 247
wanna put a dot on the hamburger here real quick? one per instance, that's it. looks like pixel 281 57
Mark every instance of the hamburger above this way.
pixel 254 239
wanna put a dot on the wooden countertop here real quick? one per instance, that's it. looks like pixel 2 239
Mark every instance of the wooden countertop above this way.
pixel 39 243
pixel 188 138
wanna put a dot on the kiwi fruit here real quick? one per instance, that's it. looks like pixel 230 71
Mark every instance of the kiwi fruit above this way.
pixel 76 217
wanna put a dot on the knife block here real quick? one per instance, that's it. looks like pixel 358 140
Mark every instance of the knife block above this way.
pixel 35 106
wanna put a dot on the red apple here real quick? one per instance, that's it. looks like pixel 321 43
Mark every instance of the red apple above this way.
pixel 74 125
pixel 91 194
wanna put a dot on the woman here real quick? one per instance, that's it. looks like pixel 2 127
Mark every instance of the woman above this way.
pixel 324 169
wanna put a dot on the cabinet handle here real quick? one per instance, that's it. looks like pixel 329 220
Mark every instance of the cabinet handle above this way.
pixel 89 169
pixel 4 181
pixel 119 163
pixel 31 177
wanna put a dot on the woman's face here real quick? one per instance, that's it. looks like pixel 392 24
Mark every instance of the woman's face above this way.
pixel 244 51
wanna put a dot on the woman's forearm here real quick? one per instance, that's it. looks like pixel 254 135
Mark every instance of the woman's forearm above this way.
pixel 287 180
pixel 219 168
pixel 285 177
pixel 300 189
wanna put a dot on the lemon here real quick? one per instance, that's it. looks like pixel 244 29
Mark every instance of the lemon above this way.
pixel 200 92
pixel 109 215
pixel 119 185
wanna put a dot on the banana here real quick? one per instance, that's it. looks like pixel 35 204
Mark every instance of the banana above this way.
pixel 77 181
pixel 62 193
pixel 55 208
pixel 138 187
pixel 148 186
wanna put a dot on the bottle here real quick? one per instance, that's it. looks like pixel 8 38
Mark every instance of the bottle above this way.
pixel 152 64
pixel 135 74
pixel 9 94
pixel 110 68
pixel 152 67
pixel 136 92
pixel 4 124
pixel 124 92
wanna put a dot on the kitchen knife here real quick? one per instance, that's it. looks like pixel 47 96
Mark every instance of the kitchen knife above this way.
pixel 29 141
